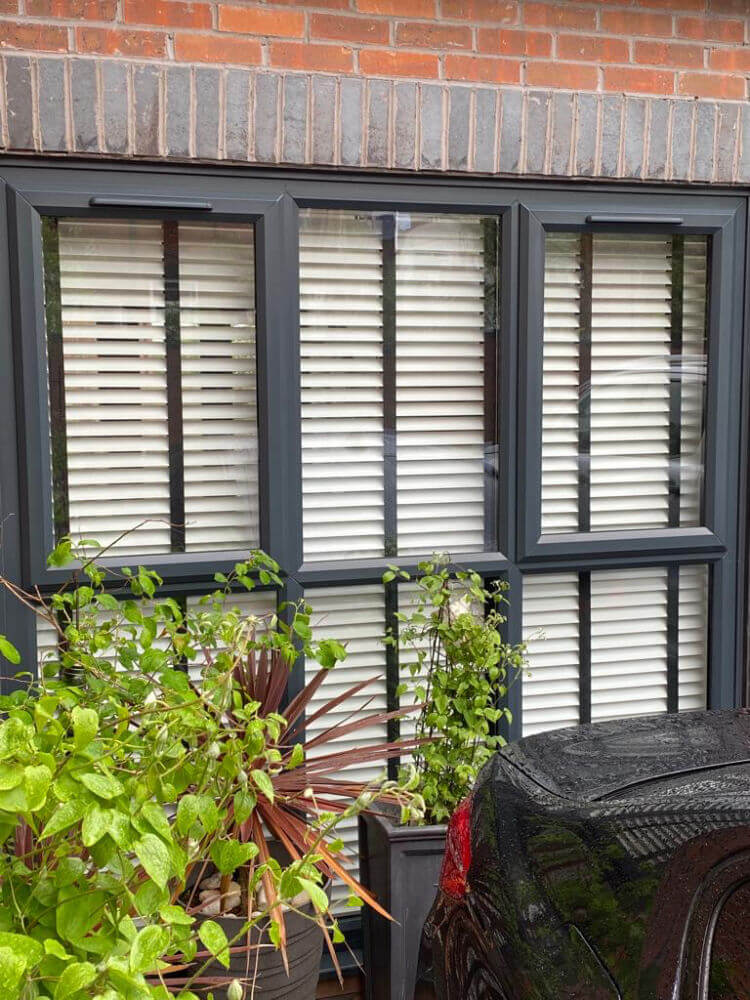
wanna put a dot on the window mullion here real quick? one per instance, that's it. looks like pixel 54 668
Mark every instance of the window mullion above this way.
pixel 390 487
pixel 174 386
pixel 56 378
pixel 584 383
pixel 584 646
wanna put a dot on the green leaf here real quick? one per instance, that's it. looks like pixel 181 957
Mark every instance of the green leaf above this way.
pixel 85 726
pixel 96 824
pixel 317 895
pixel 78 911
pixel 11 969
pixel 244 803
pixel 64 816
pixel 214 938
pixel 53 947
pixel 148 946
pixel 11 776
pixel 76 977
pixel 298 756
pixel 228 855
pixel 188 811
pixel 36 785
pixel 9 651
pixel 263 783
pixel 156 817
pixel 104 785
pixel 25 948
pixel 154 857
pixel 176 915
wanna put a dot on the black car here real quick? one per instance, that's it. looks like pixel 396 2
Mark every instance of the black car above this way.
pixel 601 862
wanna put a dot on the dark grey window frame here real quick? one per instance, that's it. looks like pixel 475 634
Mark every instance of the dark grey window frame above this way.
pixel 272 199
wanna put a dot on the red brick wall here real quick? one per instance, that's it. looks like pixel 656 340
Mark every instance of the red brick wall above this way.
pixel 692 48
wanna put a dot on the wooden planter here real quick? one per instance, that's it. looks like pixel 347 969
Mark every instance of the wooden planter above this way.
pixel 401 866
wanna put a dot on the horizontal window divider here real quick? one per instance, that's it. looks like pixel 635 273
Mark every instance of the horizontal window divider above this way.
pixel 638 220
pixel 562 556
pixel 358 571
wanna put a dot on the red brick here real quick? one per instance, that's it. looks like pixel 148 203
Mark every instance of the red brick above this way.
pixel 503 42
pixel 669 54
pixel 217 49
pixel 731 60
pixel 640 81
pixel 727 6
pixel 8 6
pixel 481 10
pixel 401 8
pixel 633 22
pixel 261 21
pixel 566 76
pixel 88 10
pixel 168 13
pixel 377 62
pixel 680 5
pixel 350 29
pixel 116 42
pixel 326 4
pixel 550 15
pixel 42 37
pixel 299 55
pixel 711 29
pixel 593 48
pixel 712 85
pixel 433 36
pixel 482 70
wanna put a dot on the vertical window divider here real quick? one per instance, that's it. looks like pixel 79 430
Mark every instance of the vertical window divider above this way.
pixel 390 500
pixel 584 646
pixel 392 672
pixel 56 378
pixel 491 374
pixel 174 386
pixel 584 384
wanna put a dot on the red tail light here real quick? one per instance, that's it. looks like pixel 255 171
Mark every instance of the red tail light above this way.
pixel 457 856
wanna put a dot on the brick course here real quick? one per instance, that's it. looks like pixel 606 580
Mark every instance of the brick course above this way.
pixel 638 46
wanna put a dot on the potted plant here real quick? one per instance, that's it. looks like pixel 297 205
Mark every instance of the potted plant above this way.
pixel 456 668
pixel 207 818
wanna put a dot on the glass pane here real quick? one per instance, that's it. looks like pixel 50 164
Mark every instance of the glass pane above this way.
pixel 152 381
pixel 398 347
pixel 624 377
pixel 640 632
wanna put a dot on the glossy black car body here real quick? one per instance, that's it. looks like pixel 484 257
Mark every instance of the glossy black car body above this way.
pixel 607 861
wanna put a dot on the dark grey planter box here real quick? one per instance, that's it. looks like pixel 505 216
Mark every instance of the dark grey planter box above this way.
pixel 401 866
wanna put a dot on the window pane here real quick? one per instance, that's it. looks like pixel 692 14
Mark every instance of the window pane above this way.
pixel 639 630
pixel 398 341
pixel 151 360
pixel 624 373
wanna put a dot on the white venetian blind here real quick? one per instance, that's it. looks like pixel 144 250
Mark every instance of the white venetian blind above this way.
pixel 693 364
pixel 113 338
pixel 562 296
pixel 440 273
pixel 634 371
pixel 693 639
pixel 355 616
pixel 341 343
pixel 550 629
pixel 220 422
pixel 630 337
pixel 115 322
pixel 628 643
pixel 435 301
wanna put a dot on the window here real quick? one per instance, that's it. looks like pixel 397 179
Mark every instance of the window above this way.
pixel 151 364
pixel 546 383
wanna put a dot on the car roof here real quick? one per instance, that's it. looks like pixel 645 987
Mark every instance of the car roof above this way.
pixel 597 761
